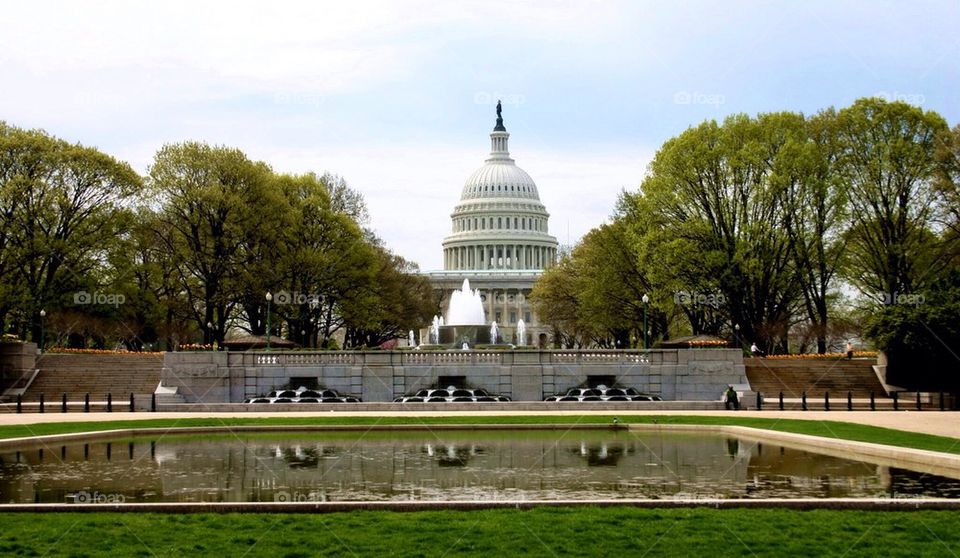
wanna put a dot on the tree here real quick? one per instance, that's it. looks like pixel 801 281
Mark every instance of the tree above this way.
pixel 556 300
pixel 948 186
pixel 329 264
pixel 401 301
pixel 60 211
pixel 920 338
pixel 807 173
pixel 888 160
pixel 709 190
pixel 212 200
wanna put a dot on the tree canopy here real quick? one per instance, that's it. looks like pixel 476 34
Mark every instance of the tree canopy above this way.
pixel 188 253
pixel 779 229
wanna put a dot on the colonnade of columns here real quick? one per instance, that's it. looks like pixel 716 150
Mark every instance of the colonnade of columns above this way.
pixel 498 256
pixel 507 306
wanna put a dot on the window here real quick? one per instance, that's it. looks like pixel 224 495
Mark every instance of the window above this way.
pixel 515 223
pixel 499 222
pixel 513 317
pixel 526 317
pixel 497 317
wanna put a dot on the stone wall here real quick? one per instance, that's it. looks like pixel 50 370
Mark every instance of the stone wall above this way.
pixel 17 361
pixel 379 376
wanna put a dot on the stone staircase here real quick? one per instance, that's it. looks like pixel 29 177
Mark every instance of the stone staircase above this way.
pixel 79 374
pixel 793 377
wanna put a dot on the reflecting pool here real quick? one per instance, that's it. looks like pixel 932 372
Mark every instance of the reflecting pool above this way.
pixel 444 465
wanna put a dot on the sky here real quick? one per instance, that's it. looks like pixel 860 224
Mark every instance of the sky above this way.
pixel 398 97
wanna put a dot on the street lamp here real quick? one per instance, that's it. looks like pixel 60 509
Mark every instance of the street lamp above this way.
pixel 43 314
pixel 269 300
pixel 736 335
pixel 210 333
pixel 646 300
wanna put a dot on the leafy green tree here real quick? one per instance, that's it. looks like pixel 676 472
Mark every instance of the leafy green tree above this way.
pixel 556 300
pixel 948 187
pixel 212 199
pixel 330 263
pixel 888 159
pixel 920 336
pixel 807 173
pixel 401 301
pixel 60 210
pixel 710 191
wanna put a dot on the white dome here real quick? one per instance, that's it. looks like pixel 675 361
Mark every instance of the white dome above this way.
pixel 499 223
pixel 500 179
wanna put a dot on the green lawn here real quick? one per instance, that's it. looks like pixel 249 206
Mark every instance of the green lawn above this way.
pixel 827 429
pixel 581 531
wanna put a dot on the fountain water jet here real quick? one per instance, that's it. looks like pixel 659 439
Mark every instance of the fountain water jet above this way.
pixel 521 333
pixel 465 322
pixel 466 307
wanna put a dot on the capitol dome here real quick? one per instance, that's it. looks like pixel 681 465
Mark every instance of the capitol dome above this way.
pixel 499 223
pixel 500 178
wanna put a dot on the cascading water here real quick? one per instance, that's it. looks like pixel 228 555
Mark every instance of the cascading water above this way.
pixel 521 333
pixel 494 331
pixel 466 307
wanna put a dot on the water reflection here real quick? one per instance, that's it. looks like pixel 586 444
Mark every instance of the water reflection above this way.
pixel 445 465
pixel 452 455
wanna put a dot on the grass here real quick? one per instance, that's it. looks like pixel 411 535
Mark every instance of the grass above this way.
pixel 580 531
pixel 826 429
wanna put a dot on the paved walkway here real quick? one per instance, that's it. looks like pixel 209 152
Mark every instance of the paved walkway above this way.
pixel 930 422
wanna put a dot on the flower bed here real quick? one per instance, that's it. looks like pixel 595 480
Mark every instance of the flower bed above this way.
pixel 814 356
pixel 67 350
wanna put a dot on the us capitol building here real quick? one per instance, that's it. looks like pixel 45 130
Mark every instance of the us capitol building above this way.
pixel 499 241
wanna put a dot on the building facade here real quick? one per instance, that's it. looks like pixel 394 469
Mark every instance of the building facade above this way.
pixel 499 240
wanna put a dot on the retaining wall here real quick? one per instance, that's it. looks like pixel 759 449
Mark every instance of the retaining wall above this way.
pixel 379 376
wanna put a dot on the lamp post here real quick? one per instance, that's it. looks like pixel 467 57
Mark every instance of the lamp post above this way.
pixel 43 314
pixel 646 300
pixel 736 336
pixel 269 300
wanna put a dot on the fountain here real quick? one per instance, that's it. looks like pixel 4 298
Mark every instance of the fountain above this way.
pixel 493 333
pixel 521 333
pixel 411 339
pixel 465 321
pixel 466 307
